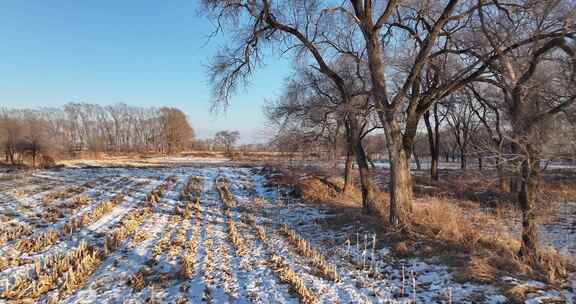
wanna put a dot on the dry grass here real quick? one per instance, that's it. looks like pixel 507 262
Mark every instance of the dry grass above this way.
pixel 518 293
pixel 209 261
pixel 283 271
pixel 474 242
pixel 127 227
pixel 42 241
pixel 154 196
pixel 326 190
pixel 229 201
pixel 189 257
pixel 65 193
pixel 136 281
pixel 304 249
pixel 36 244
pixel 288 276
pixel 13 232
pixel 493 250
pixel 479 269
pixel 442 220
pixel 67 273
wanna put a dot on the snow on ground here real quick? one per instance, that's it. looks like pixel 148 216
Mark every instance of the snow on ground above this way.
pixel 147 266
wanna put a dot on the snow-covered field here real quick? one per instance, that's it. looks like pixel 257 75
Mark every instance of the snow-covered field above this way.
pixel 202 235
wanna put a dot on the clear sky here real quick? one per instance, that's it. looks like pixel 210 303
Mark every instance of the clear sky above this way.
pixel 144 53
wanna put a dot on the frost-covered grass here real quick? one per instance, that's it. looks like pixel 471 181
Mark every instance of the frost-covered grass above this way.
pixel 210 235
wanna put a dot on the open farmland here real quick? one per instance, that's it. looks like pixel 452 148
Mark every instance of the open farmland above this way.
pixel 213 234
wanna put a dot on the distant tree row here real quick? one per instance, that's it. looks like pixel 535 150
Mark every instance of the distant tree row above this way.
pixel 78 128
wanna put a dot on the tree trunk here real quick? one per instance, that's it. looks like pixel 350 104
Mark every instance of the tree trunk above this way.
pixel 502 181
pixel 368 203
pixel 433 142
pixel 526 200
pixel 417 160
pixel 463 160
pixel 400 179
pixel 369 158
pixel 348 181
pixel 480 163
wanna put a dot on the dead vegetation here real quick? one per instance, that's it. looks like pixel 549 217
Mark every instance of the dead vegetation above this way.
pixel 127 227
pixel 304 249
pixel 476 243
pixel 281 269
pixel 229 202
pixel 288 276
pixel 64 272
pixel 38 243
pixel 154 196
pixel 66 193
pixel 13 232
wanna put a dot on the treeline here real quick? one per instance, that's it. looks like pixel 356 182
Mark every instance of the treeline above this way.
pixel 39 136
pixel 494 77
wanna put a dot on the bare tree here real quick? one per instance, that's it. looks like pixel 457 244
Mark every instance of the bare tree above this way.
pixel 433 134
pixel 463 124
pixel 227 140
pixel 537 84
pixel 438 38
pixel 176 131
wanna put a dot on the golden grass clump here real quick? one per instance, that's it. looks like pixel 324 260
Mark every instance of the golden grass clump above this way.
pixel 74 268
pixel 226 270
pixel 85 259
pixel 193 189
pixel 235 238
pixel 304 249
pixel 35 244
pixel 479 269
pixel 136 281
pixel 445 221
pixel 518 293
pixel 226 196
pixel 127 227
pixel 11 233
pixel 287 275
pixel 553 265
pixel 326 189
pixel 154 196
pixel 209 262
pixel 189 256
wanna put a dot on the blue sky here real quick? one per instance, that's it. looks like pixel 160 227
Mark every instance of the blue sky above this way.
pixel 145 53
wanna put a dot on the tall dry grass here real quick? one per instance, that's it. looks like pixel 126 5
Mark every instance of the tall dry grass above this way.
pixel 451 228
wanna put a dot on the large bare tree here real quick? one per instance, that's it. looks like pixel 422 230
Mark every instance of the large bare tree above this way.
pixel 402 43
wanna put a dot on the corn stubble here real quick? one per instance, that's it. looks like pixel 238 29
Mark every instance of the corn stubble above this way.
pixel 66 272
pixel 283 270
pixel 229 202
pixel 12 233
pixel 306 250
pixel 38 243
